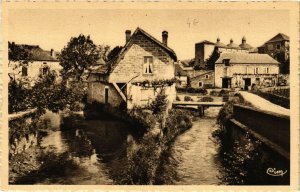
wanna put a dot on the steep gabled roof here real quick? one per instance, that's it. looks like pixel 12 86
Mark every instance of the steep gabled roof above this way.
pixel 165 47
pixel 279 37
pixel 247 58
pixel 201 73
pixel 112 63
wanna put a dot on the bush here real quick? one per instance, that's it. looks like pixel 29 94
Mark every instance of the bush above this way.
pixel 192 90
pixel 159 104
pixel 207 99
pixel 223 92
pixel 187 98
pixel 177 98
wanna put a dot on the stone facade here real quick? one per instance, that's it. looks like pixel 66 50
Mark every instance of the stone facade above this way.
pixel 96 92
pixel 31 72
pixel 142 59
pixel 205 80
pixel 266 76
pixel 244 70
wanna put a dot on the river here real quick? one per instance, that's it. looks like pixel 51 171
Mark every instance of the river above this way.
pixel 193 157
pixel 95 152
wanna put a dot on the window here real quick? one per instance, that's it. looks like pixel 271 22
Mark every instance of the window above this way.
pixel 226 62
pixel 24 71
pixel 45 63
pixel 278 46
pixel 45 71
pixel 200 84
pixel 148 65
pixel 267 70
pixel 206 76
pixel 256 70
pixel 270 47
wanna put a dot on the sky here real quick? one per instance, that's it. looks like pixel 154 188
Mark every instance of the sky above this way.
pixel 51 28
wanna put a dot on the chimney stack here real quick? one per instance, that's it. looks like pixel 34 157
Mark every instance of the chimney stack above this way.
pixel 52 53
pixel 165 38
pixel 127 34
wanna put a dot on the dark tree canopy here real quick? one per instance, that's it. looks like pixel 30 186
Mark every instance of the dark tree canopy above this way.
pixel 17 56
pixel 77 57
pixel 212 59
pixel 114 52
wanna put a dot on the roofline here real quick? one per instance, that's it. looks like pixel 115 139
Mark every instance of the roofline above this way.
pixel 156 41
pixel 252 63
pixel 203 74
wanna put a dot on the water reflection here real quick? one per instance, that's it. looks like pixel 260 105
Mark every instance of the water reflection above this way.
pixel 98 148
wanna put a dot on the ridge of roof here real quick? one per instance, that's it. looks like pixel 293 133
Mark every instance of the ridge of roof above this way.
pixel 112 63
pixel 243 58
pixel 278 37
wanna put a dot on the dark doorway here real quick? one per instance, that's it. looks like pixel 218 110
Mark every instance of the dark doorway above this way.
pixel 247 83
pixel 226 82
pixel 106 95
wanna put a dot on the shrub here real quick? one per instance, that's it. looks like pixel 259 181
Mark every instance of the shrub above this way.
pixel 223 92
pixel 207 99
pixel 187 98
pixel 177 98
pixel 159 104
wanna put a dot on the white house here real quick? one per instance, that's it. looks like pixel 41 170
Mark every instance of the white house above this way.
pixel 136 74
pixel 243 70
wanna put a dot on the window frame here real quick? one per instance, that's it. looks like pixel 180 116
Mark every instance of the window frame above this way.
pixel 148 65
pixel 199 84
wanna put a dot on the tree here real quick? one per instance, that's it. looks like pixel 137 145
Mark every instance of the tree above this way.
pixel 160 103
pixel 17 56
pixel 114 52
pixel 77 57
pixel 212 59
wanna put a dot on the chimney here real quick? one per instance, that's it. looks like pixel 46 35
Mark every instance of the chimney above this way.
pixel 244 40
pixel 165 38
pixel 231 41
pixel 52 53
pixel 127 34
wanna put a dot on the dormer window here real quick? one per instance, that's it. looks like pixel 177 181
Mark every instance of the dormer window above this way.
pixel 278 46
pixel 226 62
pixel 148 65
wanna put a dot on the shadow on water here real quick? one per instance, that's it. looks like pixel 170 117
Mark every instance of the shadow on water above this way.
pixel 81 151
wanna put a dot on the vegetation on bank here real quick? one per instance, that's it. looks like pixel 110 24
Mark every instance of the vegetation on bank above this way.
pixel 244 159
pixel 277 96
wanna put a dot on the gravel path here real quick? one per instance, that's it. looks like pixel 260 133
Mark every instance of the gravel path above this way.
pixel 263 104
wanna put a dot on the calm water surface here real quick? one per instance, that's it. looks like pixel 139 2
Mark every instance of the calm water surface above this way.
pixel 193 156
pixel 96 151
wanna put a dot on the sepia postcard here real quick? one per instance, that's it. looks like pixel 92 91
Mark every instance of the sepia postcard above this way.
pixel 150 96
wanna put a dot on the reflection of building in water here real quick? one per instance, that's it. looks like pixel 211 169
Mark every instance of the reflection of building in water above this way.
pixel 243 70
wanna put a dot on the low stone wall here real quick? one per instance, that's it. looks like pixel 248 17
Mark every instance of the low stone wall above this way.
pixel 276 99
pixel 274 127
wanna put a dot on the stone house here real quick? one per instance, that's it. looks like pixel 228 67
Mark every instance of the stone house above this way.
pixel 204 50
pixel 204 80
pixel 40 62
pixel 278 47
pixel 135 76
pixel 244 70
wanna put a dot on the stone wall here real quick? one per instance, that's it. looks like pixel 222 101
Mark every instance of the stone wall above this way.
pixel 34 69
pixel 96 92
pixel 206 79
pixel 274 127
pixel 132 64
pixel 240 71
